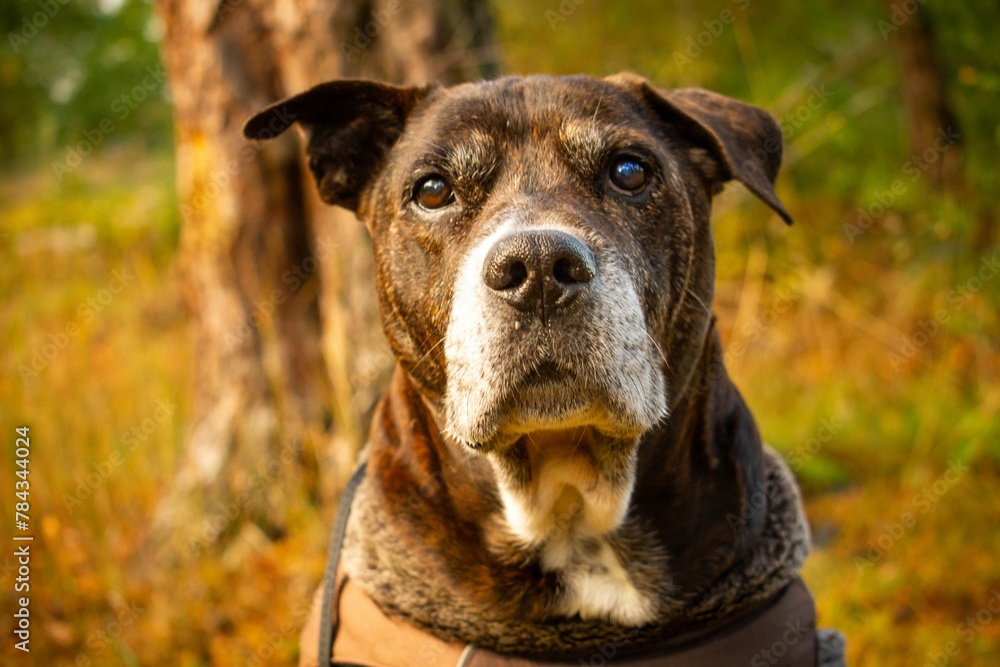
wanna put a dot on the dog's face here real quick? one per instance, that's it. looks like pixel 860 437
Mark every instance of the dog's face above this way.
pixel 537 239
pixel 518 224
pixel 543 253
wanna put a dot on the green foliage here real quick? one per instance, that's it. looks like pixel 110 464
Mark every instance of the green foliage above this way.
pixel 970 59
pixel 775 56
pixel 67 66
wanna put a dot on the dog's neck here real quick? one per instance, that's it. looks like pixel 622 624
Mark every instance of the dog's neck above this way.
pixel 714 525
pixel 699 473
pixel 694 477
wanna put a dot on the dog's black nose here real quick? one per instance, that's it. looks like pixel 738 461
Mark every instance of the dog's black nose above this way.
pixel 540 269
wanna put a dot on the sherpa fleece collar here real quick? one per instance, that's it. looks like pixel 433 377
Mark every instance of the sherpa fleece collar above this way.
pixel 381 564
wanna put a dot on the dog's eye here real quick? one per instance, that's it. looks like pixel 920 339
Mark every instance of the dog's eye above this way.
pixel 628 175
pixel 432 192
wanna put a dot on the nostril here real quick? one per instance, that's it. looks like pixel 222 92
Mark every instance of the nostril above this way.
pixel 570 270
pixel 515 276
pixel 563 272
pixel 503 271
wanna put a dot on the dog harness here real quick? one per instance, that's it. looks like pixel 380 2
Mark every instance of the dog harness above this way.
pixel 781 632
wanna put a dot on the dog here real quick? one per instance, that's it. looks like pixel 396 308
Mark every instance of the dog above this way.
pixel 561 468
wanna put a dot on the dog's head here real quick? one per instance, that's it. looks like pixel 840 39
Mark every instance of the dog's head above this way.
pixel 544 258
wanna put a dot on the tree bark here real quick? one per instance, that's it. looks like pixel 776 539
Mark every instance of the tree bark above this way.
pixel 924 94
pixel 280 287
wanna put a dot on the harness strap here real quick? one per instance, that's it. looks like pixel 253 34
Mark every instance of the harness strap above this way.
pixel 328 625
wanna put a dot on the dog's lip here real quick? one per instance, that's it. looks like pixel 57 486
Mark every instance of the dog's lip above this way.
pixel 545 373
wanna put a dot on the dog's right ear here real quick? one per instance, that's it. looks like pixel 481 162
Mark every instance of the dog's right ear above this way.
pixel 350 126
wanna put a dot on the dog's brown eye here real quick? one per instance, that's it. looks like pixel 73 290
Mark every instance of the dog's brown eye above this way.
pixel 433 192
pixel 628 175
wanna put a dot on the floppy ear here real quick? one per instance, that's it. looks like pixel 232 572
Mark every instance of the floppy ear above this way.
pixel 742 141
pixel 350 126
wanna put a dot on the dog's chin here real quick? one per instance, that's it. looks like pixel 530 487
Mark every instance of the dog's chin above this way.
pixel 547 402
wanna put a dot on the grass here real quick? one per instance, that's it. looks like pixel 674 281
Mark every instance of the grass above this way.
pixel 872 441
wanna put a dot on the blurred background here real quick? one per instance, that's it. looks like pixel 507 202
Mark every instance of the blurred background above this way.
pixel 191 337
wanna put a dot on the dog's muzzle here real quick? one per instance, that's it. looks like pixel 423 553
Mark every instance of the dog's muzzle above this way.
pixel 547 331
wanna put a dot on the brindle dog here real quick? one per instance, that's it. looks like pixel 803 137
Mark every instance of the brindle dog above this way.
pixel 559 409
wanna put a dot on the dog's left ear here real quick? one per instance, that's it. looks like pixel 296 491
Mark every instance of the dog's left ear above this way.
pixel 350 126
pixel 743 141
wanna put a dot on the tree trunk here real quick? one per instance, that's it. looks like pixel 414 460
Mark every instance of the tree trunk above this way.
pixel 280 287
pixel 924 95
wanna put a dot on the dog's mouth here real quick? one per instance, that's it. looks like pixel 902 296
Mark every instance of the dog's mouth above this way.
pixel 549 394
pixel 547 372
pixel 552 383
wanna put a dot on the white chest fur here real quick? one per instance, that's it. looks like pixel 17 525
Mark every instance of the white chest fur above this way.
pixel 569 510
